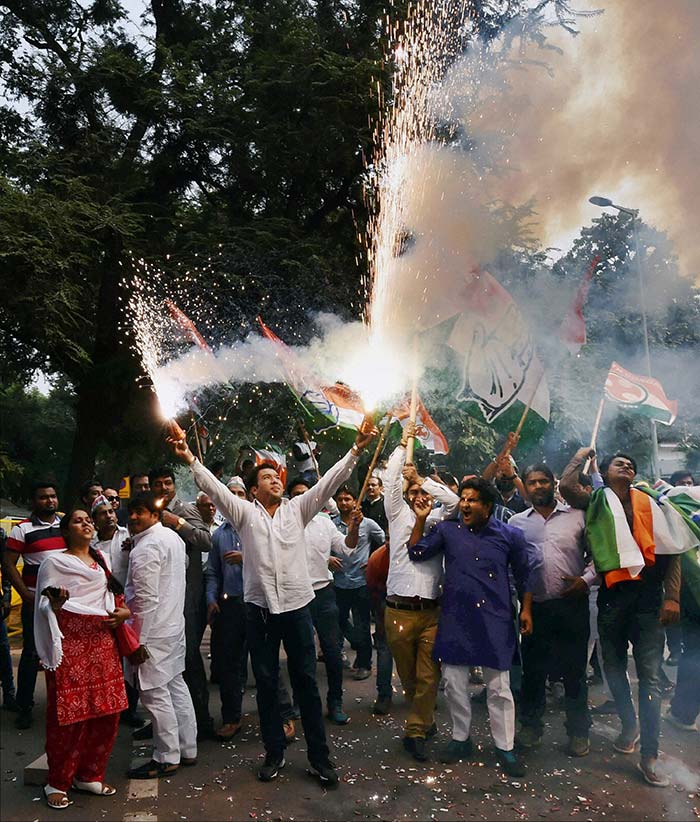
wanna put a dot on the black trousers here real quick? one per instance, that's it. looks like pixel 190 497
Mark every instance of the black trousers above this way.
pixel 294 629
pixel 559 641
pixel 356 601
pixel 229 652
pixel 28 662
pixel 195 675
pixel 324 613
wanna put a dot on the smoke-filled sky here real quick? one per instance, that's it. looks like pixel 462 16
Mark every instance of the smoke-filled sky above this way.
pixel 620 117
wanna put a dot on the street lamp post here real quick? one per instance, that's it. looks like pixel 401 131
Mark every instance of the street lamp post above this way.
pixel 604 202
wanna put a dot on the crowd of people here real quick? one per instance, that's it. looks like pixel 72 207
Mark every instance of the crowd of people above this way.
pixel 491 579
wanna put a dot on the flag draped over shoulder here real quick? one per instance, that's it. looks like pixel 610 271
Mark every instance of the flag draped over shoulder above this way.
pixel 500 371
pixel 658 528
pixel 641 395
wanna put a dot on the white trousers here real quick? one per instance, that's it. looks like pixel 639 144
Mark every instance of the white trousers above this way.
pixel 174 721
pixel 499 700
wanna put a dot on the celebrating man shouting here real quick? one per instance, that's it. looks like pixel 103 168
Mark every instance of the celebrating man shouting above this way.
pixel 277 593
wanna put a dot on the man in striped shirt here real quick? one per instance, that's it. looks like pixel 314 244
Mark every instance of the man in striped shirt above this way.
pixel 33 539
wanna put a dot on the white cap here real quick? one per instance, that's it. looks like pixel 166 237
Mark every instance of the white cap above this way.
pixel 236 482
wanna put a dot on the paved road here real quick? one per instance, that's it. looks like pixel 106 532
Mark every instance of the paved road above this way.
pixel 379 781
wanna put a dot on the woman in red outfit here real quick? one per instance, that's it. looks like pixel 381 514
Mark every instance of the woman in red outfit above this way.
pixel 74 619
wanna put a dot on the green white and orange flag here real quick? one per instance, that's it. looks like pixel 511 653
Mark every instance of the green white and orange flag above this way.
pixel 641 395
pixel 658 528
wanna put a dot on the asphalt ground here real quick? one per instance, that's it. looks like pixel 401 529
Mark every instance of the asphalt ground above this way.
pixel 378 779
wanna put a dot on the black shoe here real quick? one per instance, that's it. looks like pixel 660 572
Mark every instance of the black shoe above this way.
pixel 325 773
pixel 382 707
pixel 143 733
pixel 273 765
pixel 510 763
pixel 432 731
pixel 132 719
pixel 415 745
pixel 456 751
pixel 24 720
pixel 206 731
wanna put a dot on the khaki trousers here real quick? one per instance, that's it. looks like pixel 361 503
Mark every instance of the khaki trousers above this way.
pixel 411 636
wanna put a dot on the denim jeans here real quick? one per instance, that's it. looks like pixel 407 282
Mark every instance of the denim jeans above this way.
pixel 324 613
pixel 685 704
pixel 560 636
pixel 6 679
pixel 296 631
pixel 385 661
pixel 629 612
pixel 28 662
pixel 357 602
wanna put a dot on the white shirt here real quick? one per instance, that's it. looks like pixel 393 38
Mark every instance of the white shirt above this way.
pixel 407 578
pixel 112 549
pixel 322 537
pixel 155 595
pixel 275 573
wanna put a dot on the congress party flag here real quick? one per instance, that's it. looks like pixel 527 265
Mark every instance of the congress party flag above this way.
pixel 641 395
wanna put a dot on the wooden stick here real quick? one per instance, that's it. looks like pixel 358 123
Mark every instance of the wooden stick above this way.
pixel 526 410
pixel 196 437
pixel 596 428
pixel 375 457
pixel 305 437
pixel 413 410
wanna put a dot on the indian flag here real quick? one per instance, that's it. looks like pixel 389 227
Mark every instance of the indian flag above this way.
pixel 642 395
pixel 658 528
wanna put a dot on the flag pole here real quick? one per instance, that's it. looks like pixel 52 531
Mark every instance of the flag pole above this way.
pixel 373 461
pixel 526 410
pixel 305 437
pixel 413 410
pixel 196 437
pixel 596 428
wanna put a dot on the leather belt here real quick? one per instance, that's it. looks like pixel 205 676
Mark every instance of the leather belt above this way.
pixel 417 604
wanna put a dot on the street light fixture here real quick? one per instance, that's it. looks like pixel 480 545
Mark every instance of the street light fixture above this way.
pixel 606 202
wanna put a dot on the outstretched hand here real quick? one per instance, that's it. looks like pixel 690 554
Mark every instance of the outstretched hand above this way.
pixel 180 449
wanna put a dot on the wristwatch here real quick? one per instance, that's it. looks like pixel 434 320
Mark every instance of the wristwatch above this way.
pixel 180 523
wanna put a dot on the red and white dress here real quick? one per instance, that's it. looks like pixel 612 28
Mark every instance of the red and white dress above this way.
pixel 84 681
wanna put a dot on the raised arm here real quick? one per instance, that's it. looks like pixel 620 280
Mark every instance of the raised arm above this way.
pixel 394 502
pixel 428 546
pixel 448 499
pixel 569 486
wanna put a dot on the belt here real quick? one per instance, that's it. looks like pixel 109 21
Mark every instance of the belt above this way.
pixel 236 600
pixel 416 605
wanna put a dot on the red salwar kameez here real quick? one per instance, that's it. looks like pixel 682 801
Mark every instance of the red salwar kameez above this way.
pixel 85 696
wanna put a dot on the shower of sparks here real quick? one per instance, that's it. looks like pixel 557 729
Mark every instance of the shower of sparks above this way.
pixel 422 47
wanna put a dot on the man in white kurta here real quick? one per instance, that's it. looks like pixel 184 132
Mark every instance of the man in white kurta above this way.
pixel 155 595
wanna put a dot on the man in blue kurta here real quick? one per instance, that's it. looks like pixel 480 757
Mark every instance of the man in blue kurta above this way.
pixel 476 621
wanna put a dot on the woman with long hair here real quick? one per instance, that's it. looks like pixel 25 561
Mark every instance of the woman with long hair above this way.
pixel 74 620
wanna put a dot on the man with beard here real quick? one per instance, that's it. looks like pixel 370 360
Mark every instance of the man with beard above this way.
pixel 630 609
pixel 559 611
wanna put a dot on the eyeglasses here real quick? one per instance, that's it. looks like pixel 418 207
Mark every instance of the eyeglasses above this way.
pixel 112 499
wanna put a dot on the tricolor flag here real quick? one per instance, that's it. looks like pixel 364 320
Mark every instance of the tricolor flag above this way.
pixel 339 406
pixel 641 395
pixel 658 528
pixel 572 331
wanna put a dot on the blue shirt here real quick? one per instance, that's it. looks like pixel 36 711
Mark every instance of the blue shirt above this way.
pixel 221 577
pixel 476 625
pixel 370 536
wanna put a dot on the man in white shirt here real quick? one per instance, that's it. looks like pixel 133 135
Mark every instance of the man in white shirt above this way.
pixel 322 538
pixel 277 592
pixel 413 595
pixel 155 595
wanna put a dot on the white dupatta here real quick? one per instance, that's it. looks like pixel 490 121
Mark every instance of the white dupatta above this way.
pixel 88 596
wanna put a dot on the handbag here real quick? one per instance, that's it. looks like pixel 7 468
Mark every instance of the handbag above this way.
pixel 127 639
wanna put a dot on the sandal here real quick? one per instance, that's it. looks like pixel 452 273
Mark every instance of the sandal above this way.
pixel 97 788
pixel 152 770
pixel 64 802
